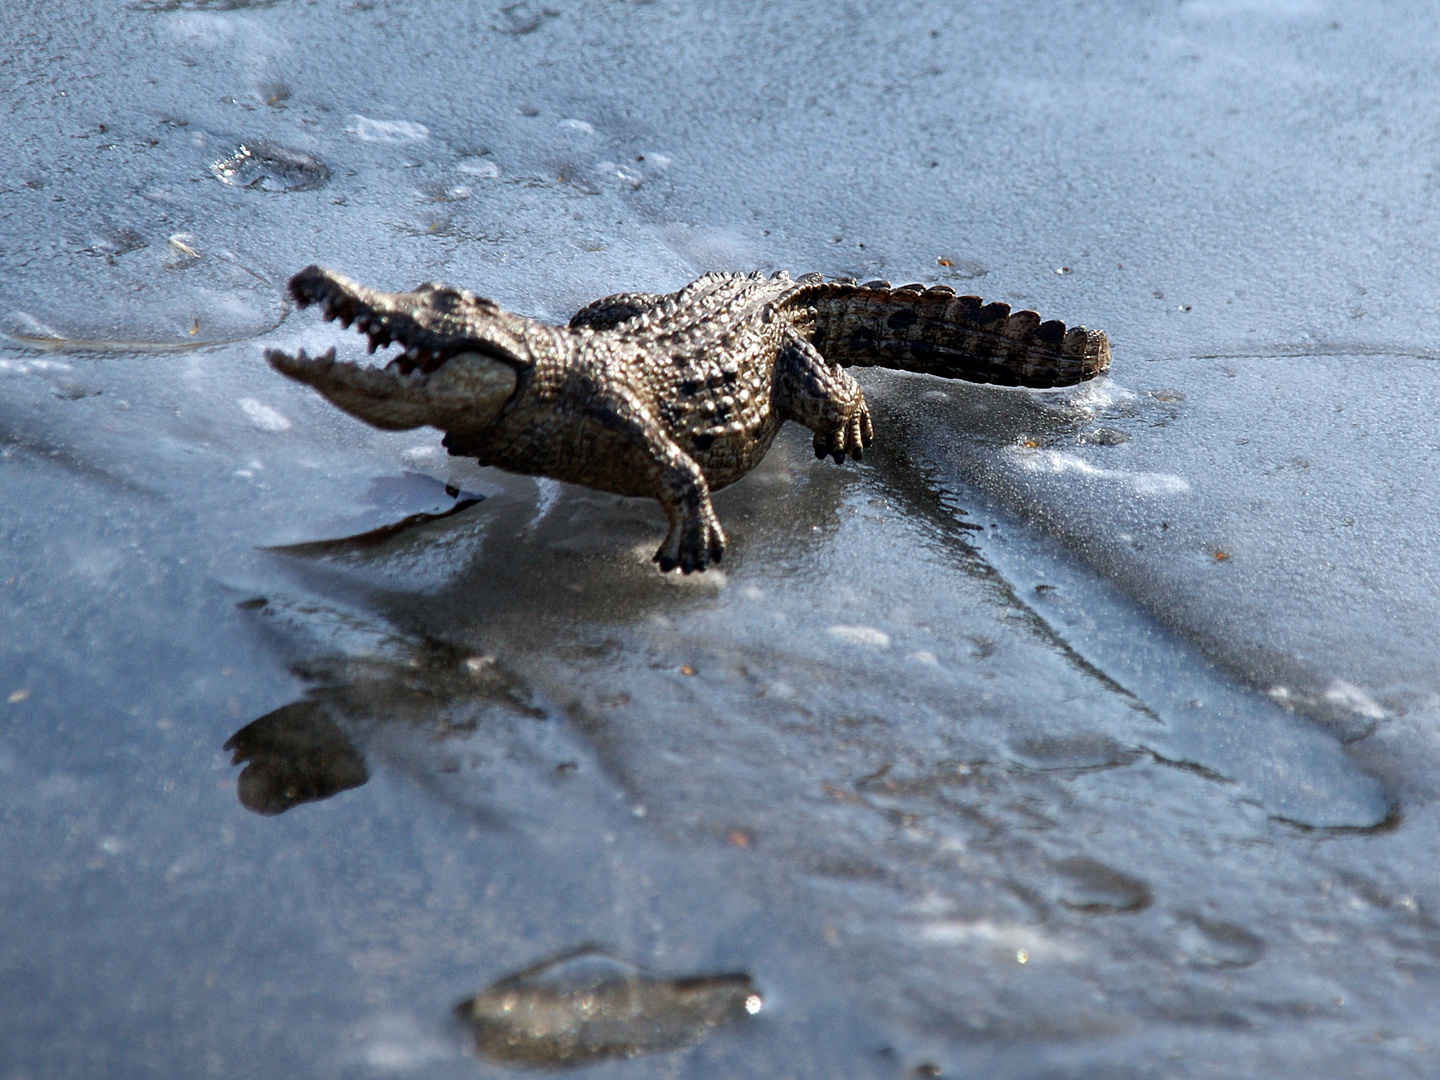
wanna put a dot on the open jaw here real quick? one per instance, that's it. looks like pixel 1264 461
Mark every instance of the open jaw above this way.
pixel 430 324
pixel 447 375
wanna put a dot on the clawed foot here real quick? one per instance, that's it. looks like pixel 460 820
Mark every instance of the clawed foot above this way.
pixel 850 437
pixel 693 543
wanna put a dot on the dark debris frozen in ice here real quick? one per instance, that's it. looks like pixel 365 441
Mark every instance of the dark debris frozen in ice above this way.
pixel 270 168
pixel 585 1006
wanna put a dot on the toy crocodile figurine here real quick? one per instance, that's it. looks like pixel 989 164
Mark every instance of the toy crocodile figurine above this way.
pixel 670 397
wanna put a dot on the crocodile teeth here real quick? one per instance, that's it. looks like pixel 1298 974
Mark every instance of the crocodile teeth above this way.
pixel 300 363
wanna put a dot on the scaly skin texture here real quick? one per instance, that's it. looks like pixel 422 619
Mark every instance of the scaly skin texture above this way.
pixel 671 396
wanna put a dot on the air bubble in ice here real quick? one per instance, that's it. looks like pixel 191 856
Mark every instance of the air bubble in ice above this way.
pixel 523 18
pixel 1208 943
pixel 479 167
pixel 1096 889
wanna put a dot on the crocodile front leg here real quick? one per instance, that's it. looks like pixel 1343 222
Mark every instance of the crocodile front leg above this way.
pixel 824 398
pixel 695 539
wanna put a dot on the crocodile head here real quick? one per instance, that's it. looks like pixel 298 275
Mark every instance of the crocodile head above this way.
pixel 460 360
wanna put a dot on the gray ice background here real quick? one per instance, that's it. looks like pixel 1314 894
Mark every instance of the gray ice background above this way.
pixel 1074 734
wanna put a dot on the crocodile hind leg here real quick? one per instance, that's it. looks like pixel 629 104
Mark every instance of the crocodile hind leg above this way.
pixel 824 398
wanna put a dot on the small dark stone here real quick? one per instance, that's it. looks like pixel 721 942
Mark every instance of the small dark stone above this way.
pixel 584 1006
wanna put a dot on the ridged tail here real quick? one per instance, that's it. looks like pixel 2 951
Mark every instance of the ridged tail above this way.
pixel 935 332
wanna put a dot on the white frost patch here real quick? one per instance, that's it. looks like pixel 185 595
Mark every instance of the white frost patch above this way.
pixel 477 166
pixel 203 28
pixel 578 126
pixel 25 367
pixel 397 1044
pixel 1098 395
pixel 57 786
pixel 253 40
pixel 1061 463
pixel 925 656
pixel 386 131
pixel 1349 696
pixel 713 249
pixel 549 494
pixel 860 635
pixel 263 416
pixel 1023 940
pixel 1213 9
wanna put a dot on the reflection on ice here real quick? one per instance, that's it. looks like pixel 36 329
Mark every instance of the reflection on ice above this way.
pixel 294 755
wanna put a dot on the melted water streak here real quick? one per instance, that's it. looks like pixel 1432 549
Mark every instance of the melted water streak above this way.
pixel 1298 772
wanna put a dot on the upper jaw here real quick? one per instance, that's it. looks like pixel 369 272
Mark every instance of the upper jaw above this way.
pixel 431 324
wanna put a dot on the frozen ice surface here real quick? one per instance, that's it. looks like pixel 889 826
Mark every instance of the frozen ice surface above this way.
pixel 1074 734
